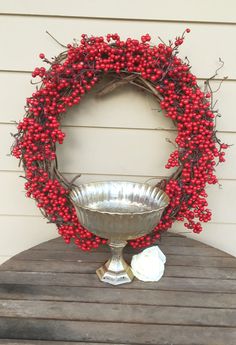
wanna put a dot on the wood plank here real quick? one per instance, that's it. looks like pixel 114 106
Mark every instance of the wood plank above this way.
pixel 95 141
pixel 176 260
pixel 91 280
pixel 96 256
pixel 117 295
pixel 142 112
pixel 179 260
pixel 74 267
pixel 200 11
pixel 200 272
pixel 33 30
pixel 115 332
pixel 100 312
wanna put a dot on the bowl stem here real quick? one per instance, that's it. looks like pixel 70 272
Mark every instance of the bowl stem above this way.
pixel 115 271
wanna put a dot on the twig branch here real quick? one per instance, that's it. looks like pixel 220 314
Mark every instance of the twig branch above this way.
pixel 73 180
pixel 61 44
pixel 114 84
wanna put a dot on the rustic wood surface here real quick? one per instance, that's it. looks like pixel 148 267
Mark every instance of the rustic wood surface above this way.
pixel 50 295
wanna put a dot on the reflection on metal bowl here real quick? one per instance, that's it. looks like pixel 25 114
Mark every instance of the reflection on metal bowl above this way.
pixel 118 211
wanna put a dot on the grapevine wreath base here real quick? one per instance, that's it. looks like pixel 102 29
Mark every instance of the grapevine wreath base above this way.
pixel 156 69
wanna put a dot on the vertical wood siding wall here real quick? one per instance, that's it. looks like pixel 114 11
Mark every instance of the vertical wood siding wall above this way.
pixel 122 136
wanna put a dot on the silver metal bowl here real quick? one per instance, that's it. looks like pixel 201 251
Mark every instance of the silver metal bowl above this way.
pixel 118 211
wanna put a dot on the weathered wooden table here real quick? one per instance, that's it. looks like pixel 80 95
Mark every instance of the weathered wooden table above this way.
pixel 51 295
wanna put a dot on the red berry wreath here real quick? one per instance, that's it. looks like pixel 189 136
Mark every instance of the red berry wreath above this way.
pixel 156 69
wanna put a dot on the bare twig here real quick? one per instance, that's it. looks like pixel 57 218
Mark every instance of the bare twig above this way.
pixel 62 178
pixel 61 44
pixel 151 87
pixel 74 179
pixel 114 84
pixel 177 173
pixel 219 86
pixel 171 142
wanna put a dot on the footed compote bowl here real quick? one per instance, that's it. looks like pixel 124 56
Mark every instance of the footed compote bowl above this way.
pixel 118 211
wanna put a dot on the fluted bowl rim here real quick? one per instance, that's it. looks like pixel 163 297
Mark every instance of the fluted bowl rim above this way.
pixel 77 204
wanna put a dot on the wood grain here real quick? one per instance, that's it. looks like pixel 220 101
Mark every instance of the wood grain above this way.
pixel 115 332
pixel 90 267
pixel 50 294
pixel 122 313
pixel 117 295
pixel 74 279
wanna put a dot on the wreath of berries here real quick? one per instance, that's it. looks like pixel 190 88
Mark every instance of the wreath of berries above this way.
pixel 157 69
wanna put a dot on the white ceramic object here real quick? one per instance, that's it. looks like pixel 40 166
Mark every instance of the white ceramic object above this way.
pixel 149 265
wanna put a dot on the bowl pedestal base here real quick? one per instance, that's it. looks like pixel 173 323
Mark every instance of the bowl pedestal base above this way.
pixel 116 271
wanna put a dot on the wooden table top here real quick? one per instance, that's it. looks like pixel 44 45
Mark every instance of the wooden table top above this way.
pixel 50 294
